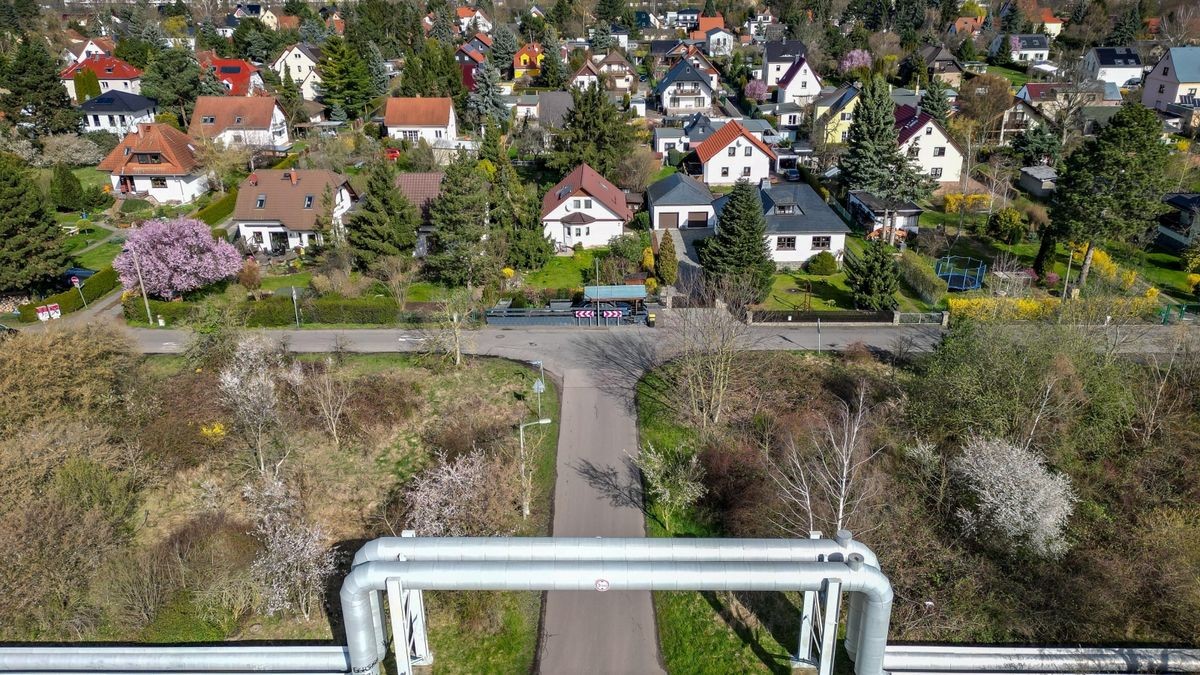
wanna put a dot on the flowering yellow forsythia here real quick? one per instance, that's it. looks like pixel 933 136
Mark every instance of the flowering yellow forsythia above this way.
pixel 213 432
pixel 1003 309
pixel 1105 266
pixel 956 202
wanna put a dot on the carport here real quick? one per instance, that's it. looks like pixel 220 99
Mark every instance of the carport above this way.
pixel 598 297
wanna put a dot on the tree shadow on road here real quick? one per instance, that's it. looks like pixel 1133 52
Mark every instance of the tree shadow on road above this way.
pixel 619 360
pixel 621 486
pixel 748 621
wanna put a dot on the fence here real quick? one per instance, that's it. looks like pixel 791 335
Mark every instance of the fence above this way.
pixel 575 316
pixel 938 318
pixel 778 316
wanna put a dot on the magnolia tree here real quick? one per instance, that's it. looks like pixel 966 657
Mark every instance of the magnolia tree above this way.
pixel 175 256
pixel 855 59
pixel 756 90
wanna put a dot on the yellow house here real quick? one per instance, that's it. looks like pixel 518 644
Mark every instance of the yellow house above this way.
pixel 527 62
pixel 832 114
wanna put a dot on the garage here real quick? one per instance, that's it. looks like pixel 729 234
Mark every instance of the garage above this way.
pixel 668 220
pixel 697 219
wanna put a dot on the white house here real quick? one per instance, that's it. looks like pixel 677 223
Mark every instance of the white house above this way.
pixel 927 144
pixel 584 208
pixel 1121 66
pixel 79 50
pixel 617 70
pixel 732 154
pixel 467 15
pixel 412 119
pixel 799 223
pixel 113 74
pixel 587 75
pixel 778 56
pixel 1022 48
pixel 758 23
pixel 719 41
pixel 157 161
pixel 249 121
pixel 117 112
pixel 300 60
pixel 680 201
pixel 278 210
pixel 684 89
pixel 1176 76
pixel 800 84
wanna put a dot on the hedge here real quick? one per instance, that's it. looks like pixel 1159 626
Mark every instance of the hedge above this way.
pixel 171 312
pixel 94 288
pixel 921 277
pixel 277 311
pixel 220 209
pixel 287 162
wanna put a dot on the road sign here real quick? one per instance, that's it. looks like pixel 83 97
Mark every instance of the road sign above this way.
pixel 585 313
pixel 539 386
pixel 611 314
pixel 55 311
pixel 602 585
pixel 43 313
pixel 75 281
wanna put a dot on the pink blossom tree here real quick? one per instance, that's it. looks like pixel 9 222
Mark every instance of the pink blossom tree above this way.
pixel 855 59
pixel 756 90
pixel 175 256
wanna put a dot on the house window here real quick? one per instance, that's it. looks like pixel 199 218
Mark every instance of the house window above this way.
pixel 748 151
pixel 579 232
pixel 745 171
pixel 587 203
pixel 122 120
pixel 939 152
pixel 846 117
pixel 669 147
pixel 308 201
pixel 237 120
pixel 936 172
pixel 1162 88
pixel 1023 57
pixel 732 151
pixel 928 131
pixel 785 243
pixel 437 133
pixel 578 203
pixel 95 120
pixel 158 182
pixel 261 202
pixel 111 121
pixel 410 135
pixel 208 119
pixel 149 158
pixel 1166 71
pixel 822 243
pixel 1192 91
pixel 724 172
pixel 845 135
pixel 913 151
pixel 804 84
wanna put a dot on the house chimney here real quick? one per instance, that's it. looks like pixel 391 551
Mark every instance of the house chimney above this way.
pixel 294 177
pixel 253 179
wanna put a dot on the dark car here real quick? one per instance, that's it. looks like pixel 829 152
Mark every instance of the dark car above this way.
pixel 791 175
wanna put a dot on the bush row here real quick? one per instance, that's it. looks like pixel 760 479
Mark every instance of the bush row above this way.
pixel 921 277
pixel 94 287
pixel 278 311
pixel 220 209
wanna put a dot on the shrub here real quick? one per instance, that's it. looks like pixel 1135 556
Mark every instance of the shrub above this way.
pixel 251 275
pixel 1191 257
pixel 105 140
pixel 1003 309
pixel 1007 225
pixel 651 286
pixel 341 310
pixel 1193 280
pixel 667 263
pixel 133 205
pixel 172 312
pixel 219 210
pixel 917 273
pixel 641 221
pixel 94 287
pixel 823 264
pixel 69 149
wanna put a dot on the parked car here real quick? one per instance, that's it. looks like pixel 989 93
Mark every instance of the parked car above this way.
pixel 792 175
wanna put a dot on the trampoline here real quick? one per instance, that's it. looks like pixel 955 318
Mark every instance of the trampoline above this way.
pixel 961 273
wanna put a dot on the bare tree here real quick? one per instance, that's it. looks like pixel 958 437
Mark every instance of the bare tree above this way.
pixel 636 170
pixel 1180 26
pixel 295 562
pixel 329 392
pixel 471 495
pixel 454 319
pixel 1013 495
pixel 823 485
pixel 247 387
pixel 673 478
pixel 220 161
pixel 397 273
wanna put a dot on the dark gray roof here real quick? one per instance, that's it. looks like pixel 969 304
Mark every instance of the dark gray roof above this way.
pixel 1033 41
pixel 698 127
pixel 661 47
pixel 682 72
pixel 678 190
pixel 553 107
pixel 1184 201
pixel 784 50
pixel 879 205
pixel 811 214
pixel 1118 56
pixel 117 102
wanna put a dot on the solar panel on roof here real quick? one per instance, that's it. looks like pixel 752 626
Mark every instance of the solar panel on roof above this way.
pixel 231 69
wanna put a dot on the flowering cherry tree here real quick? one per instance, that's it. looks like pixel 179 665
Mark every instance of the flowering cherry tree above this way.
pixel 175 256
pixel 855 59
pixel 756 90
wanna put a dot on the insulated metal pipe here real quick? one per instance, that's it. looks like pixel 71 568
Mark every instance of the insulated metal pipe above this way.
pixel 953 659
pixel 584 575
pixel 209 659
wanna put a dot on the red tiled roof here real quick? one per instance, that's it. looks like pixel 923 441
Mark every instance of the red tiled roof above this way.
pixel 105 68
pixel 584 179
pixel 254 111
pixel 284 193
pixel 176 151
pixel 235 73
pixel 420 188
pixel 1044 91
pixel 417 112
pixel 708 23
pixel 472 53
pixel 484 38
pixel 1045 15
pixel 967 24
pixel 726 135
pixel 532 50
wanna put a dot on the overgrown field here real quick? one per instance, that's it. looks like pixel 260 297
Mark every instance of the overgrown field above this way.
pixel 220 495
pixel 1019 485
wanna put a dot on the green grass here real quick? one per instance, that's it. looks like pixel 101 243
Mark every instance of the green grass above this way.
pixel 1017 77
pixel 301 279
pixel 133 205
pixel 562 271
pixel 85 237
pixel 99 257
pixel 663 173
pixel 180 621
pixel 425 291
pixel 1165 270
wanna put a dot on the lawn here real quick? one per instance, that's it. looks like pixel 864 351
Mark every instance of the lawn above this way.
pixel 88 177
pixel 301 279
pixel 562 271
pixel 99 257
pixel 1165 270
pixel 85 237
pixel 425 291
pixel 1017 77
pixel 663 173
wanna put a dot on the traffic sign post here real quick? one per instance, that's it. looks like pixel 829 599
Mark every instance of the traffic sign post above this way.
pixel 43 313
pixel 55 311
pixel 79 287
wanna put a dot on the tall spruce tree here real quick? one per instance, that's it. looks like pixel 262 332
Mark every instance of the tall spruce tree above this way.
pixel 935 101
pixel 376 69
pixel 594 133
pixel 291 101
pixel 345 80
pixel 87 85
pixel 739 248
pixel 385 222
pixel 66 192
pixel 872 139
pixel 35 94
pixel 504 48
pixel 873 277
pixel 553 72
pixel 31 250
pixel 173 80
pixel 458 254
pixel 487 102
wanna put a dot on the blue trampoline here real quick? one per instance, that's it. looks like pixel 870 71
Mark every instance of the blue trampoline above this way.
pixel 961 273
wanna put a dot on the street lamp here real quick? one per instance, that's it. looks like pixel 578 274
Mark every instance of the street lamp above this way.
pixel 526 475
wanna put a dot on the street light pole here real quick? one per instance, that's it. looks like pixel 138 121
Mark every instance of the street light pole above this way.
pixel 526 475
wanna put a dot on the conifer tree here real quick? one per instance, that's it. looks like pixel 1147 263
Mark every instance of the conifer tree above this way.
pixel 872 139
pixel 173 80
pixel 87 85
pixel 443 25
pixel 873 277
pixel 935 101
pixel 666 266
pixel 291 101
pixel 345 80
pixel 31 250
pixel 377 69
pixel 385 222
pixel 504 48
pixel 594 133
pixel 66 192
pixel 486 102
pixel 739 248
pixel 35 94
pixel 458 255
pixel 553 71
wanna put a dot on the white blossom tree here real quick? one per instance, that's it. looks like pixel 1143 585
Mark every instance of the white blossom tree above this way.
pixel 674 478
pixel 247 388
pixel 295 562
pixel 469 496
pixel 1014 495
pixel 330 392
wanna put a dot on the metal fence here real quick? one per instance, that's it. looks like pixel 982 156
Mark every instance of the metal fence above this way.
pixel 581 317
pixel 921 317
pixel 778 316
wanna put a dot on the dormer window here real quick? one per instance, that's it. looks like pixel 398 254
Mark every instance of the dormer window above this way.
pixel 308 201
pixel 149 158
pixel 208 119
pixel 237 120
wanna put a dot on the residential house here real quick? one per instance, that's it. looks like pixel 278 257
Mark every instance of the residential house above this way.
pixel 732 154
pixel 117 112
pixel 81 48
pixel 1050 98
pixel 281 209
pixel 1174 78
pixel 880 215
pixel 269 18
pixel 680 201
pixel 468 55
pixel 1120 66
pixel 466 16
pixel 113 73
pixel 925 142
pixel 1045 20
pixel 1019 118
pixel 695 130
pixel 647 20
pixel 238 76
pixel 227 25
pixel 620 34
pixel 758 23
pixel 584 208
pixel 778 56
pixel 800 84
pixel 300 60
pixel 833 113
pixel 799 223
pixel 693 55
pixel 1039 180
pixel 618 72
pixel 527 62
pixel 552 108
pixel 421 189
pixel 789 115
pixel 157 161
pixel 684 89
pixel 248 11
pixel 937 61
pixel 966 25
pixel 482 43
pixel 587 76
pixel 249 121
pixel 413 119
pixel 719 41
pixel 1181 226
pixel 1025 48
pixel 687 19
